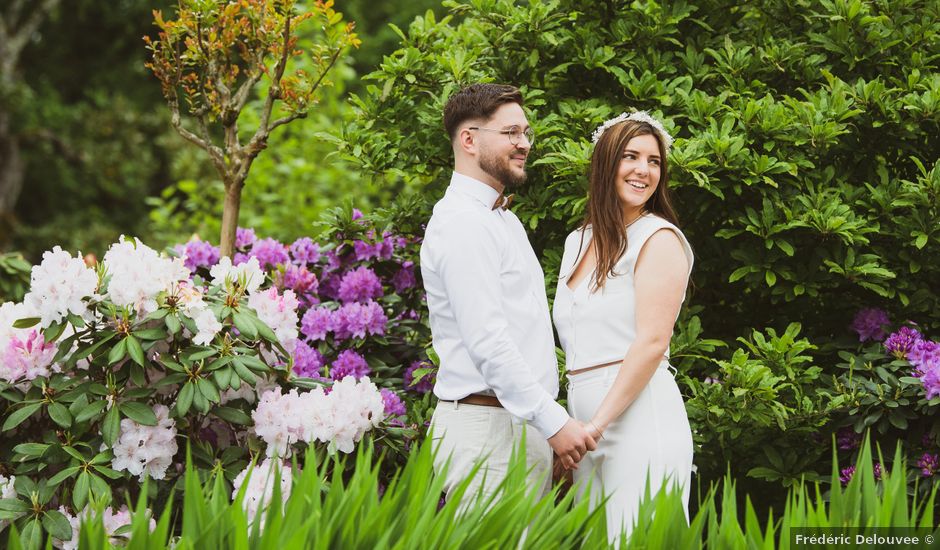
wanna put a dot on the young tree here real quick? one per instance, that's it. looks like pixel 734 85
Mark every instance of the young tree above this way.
pixel 217 52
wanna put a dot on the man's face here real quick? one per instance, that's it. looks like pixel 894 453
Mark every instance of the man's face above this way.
pixel 497 155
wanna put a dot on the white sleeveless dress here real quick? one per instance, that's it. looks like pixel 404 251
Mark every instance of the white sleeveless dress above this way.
pixel 653 435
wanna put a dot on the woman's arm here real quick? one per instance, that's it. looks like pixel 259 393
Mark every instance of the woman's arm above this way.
pixel 660 278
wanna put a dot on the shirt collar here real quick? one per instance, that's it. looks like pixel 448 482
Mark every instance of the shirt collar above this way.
pixel 473 188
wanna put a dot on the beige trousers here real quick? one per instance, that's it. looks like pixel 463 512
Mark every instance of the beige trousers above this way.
pixel 466 434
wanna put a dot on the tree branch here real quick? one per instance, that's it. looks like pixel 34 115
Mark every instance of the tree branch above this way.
pixel 17 40
pixel 215 154
pixel 275 90
pixel 284 120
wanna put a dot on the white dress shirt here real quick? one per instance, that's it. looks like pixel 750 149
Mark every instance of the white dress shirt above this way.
pixel 490 323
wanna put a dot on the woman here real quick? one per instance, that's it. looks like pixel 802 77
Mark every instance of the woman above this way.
pixel 623 279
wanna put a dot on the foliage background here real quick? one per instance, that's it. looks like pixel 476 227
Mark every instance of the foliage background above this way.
pixel 805 173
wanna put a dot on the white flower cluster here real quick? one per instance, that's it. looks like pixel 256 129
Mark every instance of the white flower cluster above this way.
pixel 146 450
pixel 249 272
pixel 112 520
pixel 138 274
pixel 260 488
pixel 638 116
pixel 278 312
pixel 339 418
pixel 57 286
pixel 24 353
pixel 193 306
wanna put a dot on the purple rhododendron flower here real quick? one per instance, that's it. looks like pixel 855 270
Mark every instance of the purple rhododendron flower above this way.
pixel 240 258
pixel 869 323
pixel 363 250
pixel 845 476
pixel 316 323
pixel 301 281
pixel 426 383
pixel 270 253
pixel 356 214
pixel 847 439
pixel 393 404
pixel 305 251
pixel 405 278
pixel 924 355
pixel 244 237
pixel 355 320
pixel 360 285
pixel 307 361
pixel 876 470
pixel 931 381
pixel 902 341
pixel 349 363
pixel 333 261
pixel 929 464
pixel 198 254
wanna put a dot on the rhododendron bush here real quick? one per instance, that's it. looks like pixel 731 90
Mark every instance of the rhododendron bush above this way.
pixel 109 371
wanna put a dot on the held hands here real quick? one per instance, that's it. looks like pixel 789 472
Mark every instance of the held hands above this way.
pixel 572 442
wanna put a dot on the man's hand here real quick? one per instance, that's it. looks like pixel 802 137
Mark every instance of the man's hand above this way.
pixel 571 443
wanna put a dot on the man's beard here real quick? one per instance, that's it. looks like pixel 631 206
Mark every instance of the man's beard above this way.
pixel 500 170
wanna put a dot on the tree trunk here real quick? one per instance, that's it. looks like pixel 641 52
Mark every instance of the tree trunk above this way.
pixel 233 200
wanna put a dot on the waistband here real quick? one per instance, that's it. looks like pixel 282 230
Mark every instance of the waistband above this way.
pixel 664 364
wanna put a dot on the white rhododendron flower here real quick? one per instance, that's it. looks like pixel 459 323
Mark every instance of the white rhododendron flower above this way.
pixel 278 312
pixel 251 272
pixel 260 487
pixel 358 407
pixel 339 418
pixel 57 286
pixel 207 326
pixel 139 274
pixel 112 520
pixel 146 450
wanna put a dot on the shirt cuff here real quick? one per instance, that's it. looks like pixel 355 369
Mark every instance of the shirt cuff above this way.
pixel 550 418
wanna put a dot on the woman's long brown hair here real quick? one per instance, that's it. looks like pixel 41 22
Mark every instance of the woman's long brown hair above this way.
pixel 604 212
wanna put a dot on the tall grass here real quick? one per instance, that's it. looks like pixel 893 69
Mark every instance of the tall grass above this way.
pixel 326 510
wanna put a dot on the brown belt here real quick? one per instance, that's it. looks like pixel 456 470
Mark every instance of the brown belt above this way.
pixel 478 399
pixel 595 367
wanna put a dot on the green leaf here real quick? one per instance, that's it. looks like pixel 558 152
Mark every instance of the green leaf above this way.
pixel 135 350
pixel 14 505
pixel 173 324
pixel 64 474
pixel 150 334
pixel 139 412
pixel 31 449
pixel 80 490
pixel 52 333
pixel 245 325
pixel 185 399
pixel 57 524
pixel 233 415
pixel 111 426
pixel 74 453
pixel 108 472
pixel 18 416
pixel 92 410
pixel 32 534
pixel 27 322
pixel 60 415
pixel 264 330
pixel 117 352
pixel 208 390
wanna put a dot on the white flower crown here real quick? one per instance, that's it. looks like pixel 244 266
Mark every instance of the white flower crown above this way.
pixel 638 116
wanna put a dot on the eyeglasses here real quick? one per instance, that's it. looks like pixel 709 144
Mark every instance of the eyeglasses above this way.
pixel 514 132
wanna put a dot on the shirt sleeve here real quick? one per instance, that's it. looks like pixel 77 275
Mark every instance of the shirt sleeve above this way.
pixel 469 269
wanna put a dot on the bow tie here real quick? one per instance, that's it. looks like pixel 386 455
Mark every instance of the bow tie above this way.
pixel 503 202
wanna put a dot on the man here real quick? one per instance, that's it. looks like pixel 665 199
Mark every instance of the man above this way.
pixel 488 310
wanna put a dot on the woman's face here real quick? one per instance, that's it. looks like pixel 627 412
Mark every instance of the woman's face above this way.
pixel 639 172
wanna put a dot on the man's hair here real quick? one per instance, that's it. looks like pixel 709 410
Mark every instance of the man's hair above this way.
pixel 477 101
